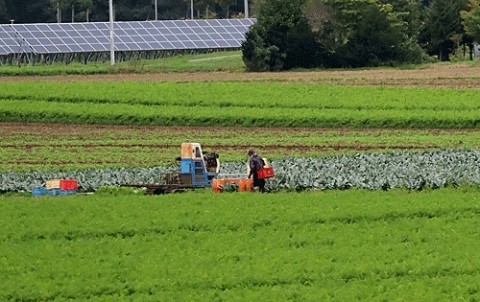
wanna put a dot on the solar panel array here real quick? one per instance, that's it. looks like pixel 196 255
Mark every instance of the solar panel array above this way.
pixel 53 38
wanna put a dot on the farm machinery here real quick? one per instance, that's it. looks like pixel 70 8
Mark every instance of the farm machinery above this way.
pixel 196 170
pixel 199 170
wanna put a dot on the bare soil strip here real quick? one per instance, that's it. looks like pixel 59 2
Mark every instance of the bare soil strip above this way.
pixel 436 75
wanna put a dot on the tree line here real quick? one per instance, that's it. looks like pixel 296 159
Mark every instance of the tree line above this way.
pixel 43 11
pixel 299 33
pixel 356 33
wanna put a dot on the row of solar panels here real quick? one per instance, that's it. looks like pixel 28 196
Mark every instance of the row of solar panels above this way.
pixel 52 38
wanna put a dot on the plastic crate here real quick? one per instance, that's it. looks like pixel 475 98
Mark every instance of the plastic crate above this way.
pixel 39 191
pixel 54 192
pixel 67 192
pixel 245 185
pixel 266 172
pixel 53 184
pixel 68 184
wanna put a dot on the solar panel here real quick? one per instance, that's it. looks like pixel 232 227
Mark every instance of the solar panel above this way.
pixel 46 38
pixel 5 41
pixel 10 42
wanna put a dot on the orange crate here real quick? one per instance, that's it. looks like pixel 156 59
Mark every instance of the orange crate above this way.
pixel 68 184
pixel 217 185
pixel 53 184
pixel 266 172
pixel 245 185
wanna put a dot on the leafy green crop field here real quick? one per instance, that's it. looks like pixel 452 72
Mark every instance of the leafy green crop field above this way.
pixel 25 147
pixel 200 246
pixel 267 104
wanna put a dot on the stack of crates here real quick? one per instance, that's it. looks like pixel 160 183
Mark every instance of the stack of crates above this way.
pixel 58 187
pixel 244 184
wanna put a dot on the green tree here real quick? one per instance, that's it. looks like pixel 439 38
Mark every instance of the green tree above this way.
pixel 29 11
pixel 81 9
pixel 59 6
pixel 204 9
pixel 442 27
pixel 225 5
pixel 139 10
pixel 407 17
pixel 3 11
pixel 368 32
pixel 471 19
pixel 323 24
pixel 281 38
pixel 374 41
pixel 73 10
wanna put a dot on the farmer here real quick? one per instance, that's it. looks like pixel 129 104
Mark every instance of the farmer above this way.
pixel 256 163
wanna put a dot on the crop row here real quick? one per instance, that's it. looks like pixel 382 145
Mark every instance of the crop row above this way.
pixel 416 170
pixel 244 94
pixel 168 115
pixel 238 104
pixel 348 246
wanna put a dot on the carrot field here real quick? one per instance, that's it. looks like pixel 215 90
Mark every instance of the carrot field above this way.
pixel 324 246
pixel 245 104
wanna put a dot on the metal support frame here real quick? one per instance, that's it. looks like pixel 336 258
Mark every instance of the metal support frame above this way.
pixel 112 42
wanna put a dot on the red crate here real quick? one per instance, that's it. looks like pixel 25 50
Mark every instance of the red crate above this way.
pixel 266 172
pixel 68 184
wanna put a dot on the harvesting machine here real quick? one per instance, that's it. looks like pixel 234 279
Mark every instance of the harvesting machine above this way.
pixel 197 170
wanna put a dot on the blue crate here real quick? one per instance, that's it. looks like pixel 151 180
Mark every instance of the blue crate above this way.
pixel 185 165
pixel 39 191
pixel 54 192
pixel 67 192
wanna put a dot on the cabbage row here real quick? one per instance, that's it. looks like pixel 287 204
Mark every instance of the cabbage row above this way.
pixel 411 170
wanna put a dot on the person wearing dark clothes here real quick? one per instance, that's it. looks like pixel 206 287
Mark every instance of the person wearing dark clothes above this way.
pixel 255 164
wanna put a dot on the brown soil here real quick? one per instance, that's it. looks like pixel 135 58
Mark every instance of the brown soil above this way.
pixel 7 129
pixel 74 137
pixel 437 75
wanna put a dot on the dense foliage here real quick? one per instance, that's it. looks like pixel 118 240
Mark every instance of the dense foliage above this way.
pixel 471 19
pixel 332 33
pixel 443 31
pixel 281 38
pixel 30 11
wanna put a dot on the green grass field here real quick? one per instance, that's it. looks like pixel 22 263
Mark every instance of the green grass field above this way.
pixel 323 246
pixel 214 61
